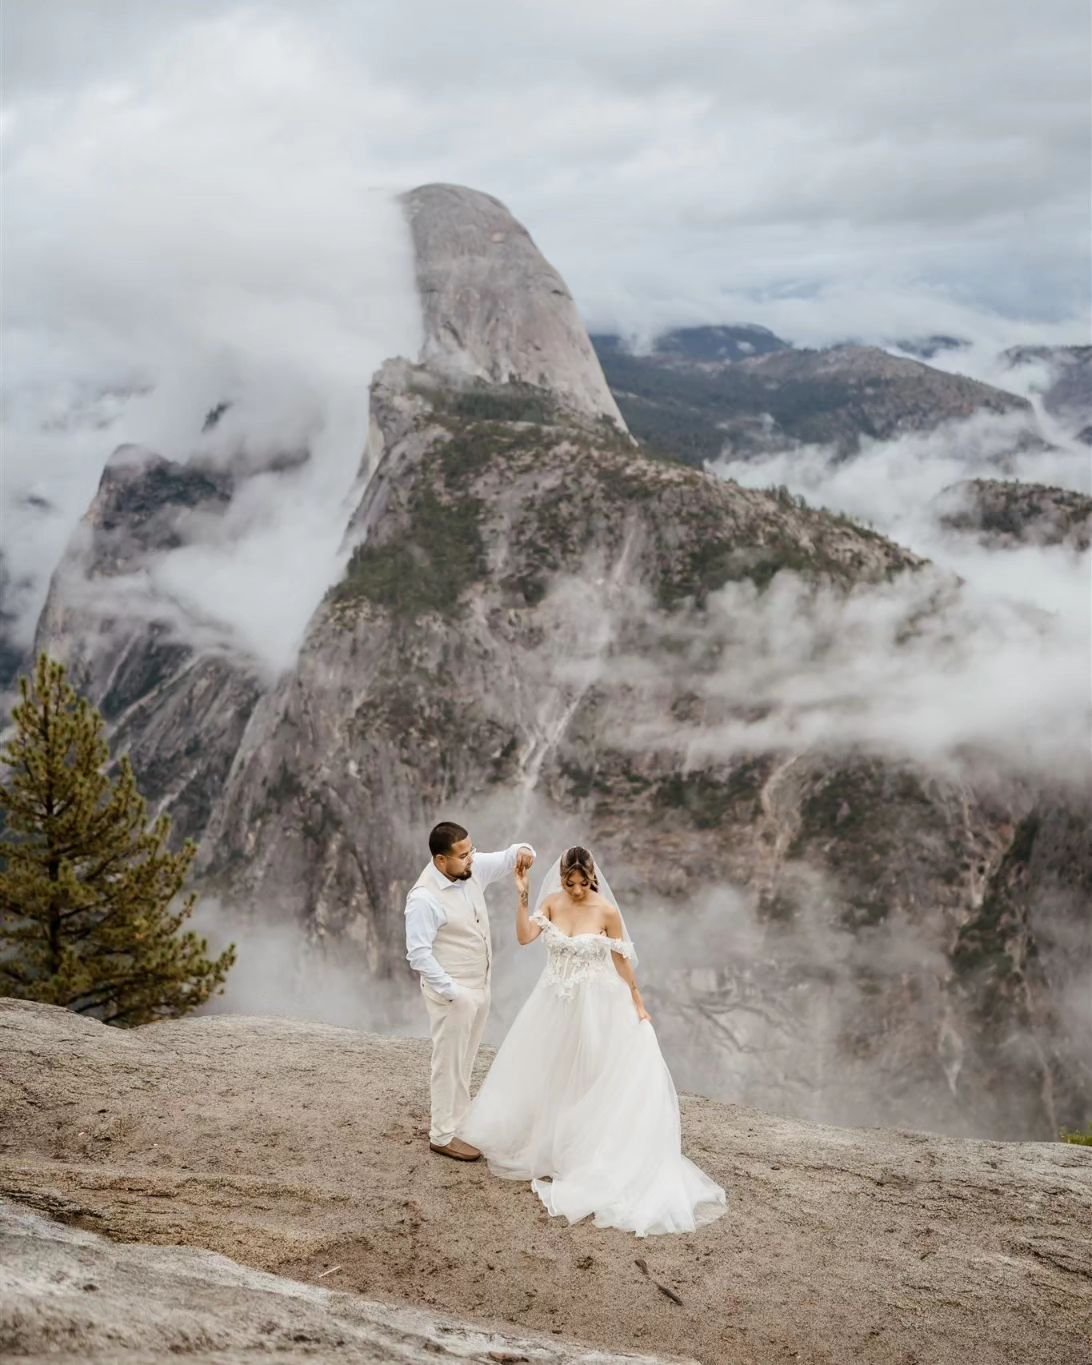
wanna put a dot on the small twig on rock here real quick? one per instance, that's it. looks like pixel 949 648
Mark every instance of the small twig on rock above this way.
pixel 322 1274
pixel 642 1266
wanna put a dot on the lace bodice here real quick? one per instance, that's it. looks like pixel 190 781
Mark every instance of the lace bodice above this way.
pixel 573 958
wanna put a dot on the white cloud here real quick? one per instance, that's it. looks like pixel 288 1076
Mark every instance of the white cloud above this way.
pixel 1003 666
pixel 675 153
pixel 903 670
pixel 184 235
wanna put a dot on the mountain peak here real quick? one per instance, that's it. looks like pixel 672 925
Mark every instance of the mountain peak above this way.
pixel 493 306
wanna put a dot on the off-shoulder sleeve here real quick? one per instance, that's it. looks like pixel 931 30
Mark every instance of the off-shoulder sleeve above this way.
pixel 624 948
pixel 537 917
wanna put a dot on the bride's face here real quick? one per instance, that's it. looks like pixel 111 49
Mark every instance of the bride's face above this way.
pixel 576 884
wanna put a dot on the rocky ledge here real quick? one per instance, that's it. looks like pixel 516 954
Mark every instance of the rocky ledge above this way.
pixel 298 1149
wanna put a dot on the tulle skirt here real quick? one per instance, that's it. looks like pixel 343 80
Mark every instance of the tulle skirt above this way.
pixel 580 1102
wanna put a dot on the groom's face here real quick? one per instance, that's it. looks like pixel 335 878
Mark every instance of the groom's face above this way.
pixel 458 861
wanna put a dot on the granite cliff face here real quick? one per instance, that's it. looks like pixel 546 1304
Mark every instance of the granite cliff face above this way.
pixel 437 673
pixel 529 594
pixel 173 689
pixel 533 629
pixel 493 307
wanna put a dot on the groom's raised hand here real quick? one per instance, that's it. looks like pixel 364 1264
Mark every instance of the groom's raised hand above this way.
pixel 524 859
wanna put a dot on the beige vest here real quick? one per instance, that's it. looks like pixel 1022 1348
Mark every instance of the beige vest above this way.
pixel 462 945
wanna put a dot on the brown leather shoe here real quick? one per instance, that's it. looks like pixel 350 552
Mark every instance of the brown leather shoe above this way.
pixel 461 1151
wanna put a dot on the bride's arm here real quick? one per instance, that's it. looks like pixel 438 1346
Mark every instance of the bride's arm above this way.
pixel 526 932
pixel 621 963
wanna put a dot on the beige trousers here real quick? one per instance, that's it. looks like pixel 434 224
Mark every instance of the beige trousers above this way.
pixel 456 1027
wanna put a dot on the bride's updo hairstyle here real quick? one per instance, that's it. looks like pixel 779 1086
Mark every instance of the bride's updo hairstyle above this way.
pixel 577 859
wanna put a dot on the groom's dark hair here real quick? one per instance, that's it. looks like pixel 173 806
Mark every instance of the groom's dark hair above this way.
pixel 444 837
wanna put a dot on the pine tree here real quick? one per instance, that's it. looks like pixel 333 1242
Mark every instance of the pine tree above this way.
pixel 86 884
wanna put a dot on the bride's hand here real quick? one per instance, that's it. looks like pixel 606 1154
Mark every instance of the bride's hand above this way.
pixel 522 880
pixel 643 1014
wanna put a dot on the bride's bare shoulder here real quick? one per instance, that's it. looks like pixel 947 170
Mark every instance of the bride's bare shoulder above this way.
pixel 547 906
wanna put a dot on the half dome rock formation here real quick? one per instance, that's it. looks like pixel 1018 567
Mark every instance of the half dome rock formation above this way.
pixel 493 307
pixel 300 1150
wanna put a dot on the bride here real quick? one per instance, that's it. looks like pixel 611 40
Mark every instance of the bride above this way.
pixel 579 1099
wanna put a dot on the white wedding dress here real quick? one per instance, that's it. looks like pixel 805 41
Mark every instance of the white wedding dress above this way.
pixel 580 1102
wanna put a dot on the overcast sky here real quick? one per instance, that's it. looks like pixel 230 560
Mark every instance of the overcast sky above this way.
pixel 821 165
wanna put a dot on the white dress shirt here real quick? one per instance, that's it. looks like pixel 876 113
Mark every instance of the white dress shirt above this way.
pixel 425 913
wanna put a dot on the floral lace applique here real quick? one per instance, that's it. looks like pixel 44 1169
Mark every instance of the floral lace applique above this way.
pixel 572 958
pixel 624 948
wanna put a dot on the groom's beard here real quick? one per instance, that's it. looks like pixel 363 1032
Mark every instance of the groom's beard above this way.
pixel 465 876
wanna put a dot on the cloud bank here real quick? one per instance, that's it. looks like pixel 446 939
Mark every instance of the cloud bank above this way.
pixel 178 238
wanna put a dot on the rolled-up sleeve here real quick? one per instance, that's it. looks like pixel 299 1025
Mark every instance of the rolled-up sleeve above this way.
pixel 489 866
pixel 423 921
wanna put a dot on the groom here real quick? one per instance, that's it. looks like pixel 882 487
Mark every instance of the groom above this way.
pixel 447 942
